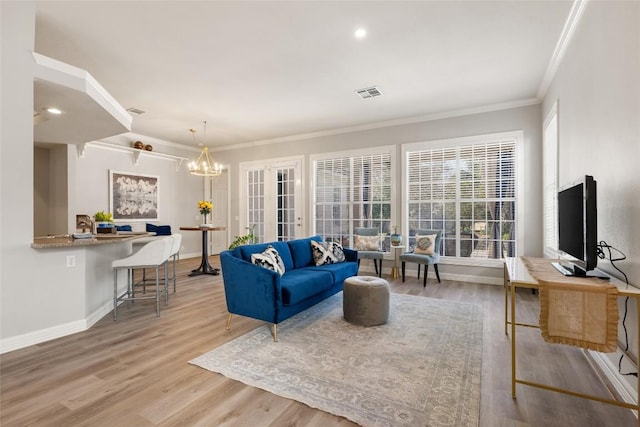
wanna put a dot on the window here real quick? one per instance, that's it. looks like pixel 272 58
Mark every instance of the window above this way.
pixel 550 183
pixel 255 202
pixel 352 190
pixel 467 188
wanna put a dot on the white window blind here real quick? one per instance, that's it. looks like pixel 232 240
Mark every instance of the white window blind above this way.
pixel 550 185
pixel 352 191
pixel 467 192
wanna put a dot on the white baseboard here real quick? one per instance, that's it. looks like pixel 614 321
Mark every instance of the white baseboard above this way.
pixel 42 335
pixel 498 281
pixel 624 390
pixel 102 311
pixel 59 331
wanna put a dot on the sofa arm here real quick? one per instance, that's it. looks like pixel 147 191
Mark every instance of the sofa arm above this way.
pixel 250 290
pixel 350 254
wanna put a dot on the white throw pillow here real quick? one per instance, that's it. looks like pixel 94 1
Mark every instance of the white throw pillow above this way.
pixel 367 243
pixel 425 245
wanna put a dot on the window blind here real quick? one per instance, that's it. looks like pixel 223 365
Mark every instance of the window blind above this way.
pixel 468 192
pixel 352 191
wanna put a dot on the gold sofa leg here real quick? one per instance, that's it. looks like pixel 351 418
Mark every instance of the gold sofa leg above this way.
pixel 275 333
pixel 229 316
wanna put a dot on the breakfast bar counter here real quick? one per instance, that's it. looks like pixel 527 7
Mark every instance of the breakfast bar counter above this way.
pixel 86 264
pixel 67 241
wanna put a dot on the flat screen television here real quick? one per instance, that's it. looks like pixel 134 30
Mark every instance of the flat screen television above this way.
pixel 577 229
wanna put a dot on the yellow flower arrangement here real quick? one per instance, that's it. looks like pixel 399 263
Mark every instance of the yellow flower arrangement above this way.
pixel 205 207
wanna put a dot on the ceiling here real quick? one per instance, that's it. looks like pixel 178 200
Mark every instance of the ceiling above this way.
pixel 268 70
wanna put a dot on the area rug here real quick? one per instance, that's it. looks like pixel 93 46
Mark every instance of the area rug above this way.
pixel 422 368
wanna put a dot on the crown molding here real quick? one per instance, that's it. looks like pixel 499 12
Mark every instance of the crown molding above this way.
pixel 385 124
pixel 570 26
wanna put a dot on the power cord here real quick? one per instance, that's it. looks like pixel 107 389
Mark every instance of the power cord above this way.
pixel 602 247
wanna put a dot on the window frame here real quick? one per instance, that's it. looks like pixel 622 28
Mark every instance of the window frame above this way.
pixel 550 156
pixel 351 154
pixel 517 137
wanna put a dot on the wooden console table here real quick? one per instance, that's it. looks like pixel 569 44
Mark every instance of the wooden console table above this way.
pixel 516 275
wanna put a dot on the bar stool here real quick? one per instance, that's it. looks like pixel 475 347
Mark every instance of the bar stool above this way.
pixel 175 253
pixel 154 254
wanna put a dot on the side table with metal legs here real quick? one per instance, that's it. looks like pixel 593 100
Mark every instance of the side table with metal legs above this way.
pixel 395 272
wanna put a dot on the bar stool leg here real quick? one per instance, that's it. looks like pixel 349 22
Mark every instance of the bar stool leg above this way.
pixel 115 294
pixel 157 291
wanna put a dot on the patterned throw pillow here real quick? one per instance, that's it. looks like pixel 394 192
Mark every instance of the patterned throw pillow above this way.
pixel 276 256
pixel 327 252
pixel 367 243
pixel 425 245
pixel 269 259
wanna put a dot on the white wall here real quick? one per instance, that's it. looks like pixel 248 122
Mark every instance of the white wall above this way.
pixel 597 87
pixel 179 191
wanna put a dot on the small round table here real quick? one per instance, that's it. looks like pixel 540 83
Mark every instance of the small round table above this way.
pixel 205 267
pixel 395 273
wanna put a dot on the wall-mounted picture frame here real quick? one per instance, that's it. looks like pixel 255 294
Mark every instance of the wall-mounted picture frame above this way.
pixel 133 196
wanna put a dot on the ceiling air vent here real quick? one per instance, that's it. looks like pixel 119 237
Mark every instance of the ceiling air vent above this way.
pixel 135 111
pixel 369 92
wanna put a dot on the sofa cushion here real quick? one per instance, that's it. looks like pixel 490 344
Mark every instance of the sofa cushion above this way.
pixel 327 253
pixel 339 271
pixel 300 284
pixel 301 251
pixel 246 251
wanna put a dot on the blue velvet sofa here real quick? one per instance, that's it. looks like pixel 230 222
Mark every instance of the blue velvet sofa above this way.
pixel 260 293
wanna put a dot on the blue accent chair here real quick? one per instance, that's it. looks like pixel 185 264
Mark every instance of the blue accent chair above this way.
pixel 422 258
pixel 367 254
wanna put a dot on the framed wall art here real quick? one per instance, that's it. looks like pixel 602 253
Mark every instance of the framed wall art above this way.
pixel 133 197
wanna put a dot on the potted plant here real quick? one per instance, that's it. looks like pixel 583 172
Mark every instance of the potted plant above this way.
pixel 104 222
pixel 244 239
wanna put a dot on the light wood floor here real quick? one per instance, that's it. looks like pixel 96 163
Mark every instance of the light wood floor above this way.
pixel 135 372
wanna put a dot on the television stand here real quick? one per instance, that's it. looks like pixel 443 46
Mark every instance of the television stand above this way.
pixel 517 275
pixel 595 274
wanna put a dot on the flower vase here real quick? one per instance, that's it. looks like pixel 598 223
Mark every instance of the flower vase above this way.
pixel 205 223
pixel 396 239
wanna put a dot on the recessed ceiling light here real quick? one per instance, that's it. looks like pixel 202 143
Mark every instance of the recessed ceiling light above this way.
pixel 360 33
pixel 54 110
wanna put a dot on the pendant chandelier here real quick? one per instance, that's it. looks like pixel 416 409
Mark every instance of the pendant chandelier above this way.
pixel 204 165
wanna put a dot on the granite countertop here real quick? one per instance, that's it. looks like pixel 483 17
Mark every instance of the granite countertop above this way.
pixel 67 241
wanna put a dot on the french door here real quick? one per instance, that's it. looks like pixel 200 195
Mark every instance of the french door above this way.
pixel 271 199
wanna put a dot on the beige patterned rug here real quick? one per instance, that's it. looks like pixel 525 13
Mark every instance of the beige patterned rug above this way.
pixel 422 368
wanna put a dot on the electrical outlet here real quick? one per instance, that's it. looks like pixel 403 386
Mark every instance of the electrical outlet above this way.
pixel 71 260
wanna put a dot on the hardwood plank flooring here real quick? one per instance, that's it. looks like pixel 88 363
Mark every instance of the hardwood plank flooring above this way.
pixel 135 371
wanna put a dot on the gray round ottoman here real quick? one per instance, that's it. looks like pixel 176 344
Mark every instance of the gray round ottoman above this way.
pixel 365 300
